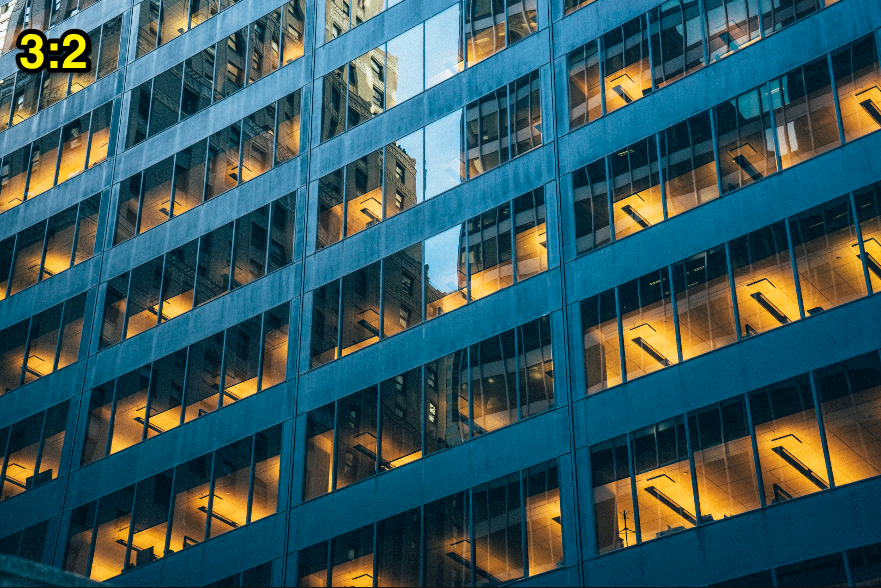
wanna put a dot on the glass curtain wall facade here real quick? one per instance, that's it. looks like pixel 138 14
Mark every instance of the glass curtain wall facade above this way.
pixel 444 293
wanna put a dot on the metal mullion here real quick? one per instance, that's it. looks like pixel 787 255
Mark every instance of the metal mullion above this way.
pixel 516 358
pixel 673 307
pixel 601 56
pixel 469 496
pixel 381 329
pixel 471 434
pixel 610 198
pixel 841 139
pixel 801 305
pixel 208 510
pixel 376 469
pixel 131 530
pixel 329 570
pixel 253 471
pixel 76 235
pixel 39 449
pixel 275 131
pixel 767 89
pixel 222 369
pixel 333 448
pixel 422 545
pixel 58 149
pixel 733 291
pixel 140 204
pixel 5 460
pixel 128 293
pixel 261 357
pixel 150 106
pixel 145 429
pixel 661 175
pixel 110 425
pixel 714 137
pixel 760 19
pixel 756 463
pixel 644 18
pixel 169 519
pixel 60 338
pixel 847 571
pixel 183 396
pixel 45 247
pixel 162 283
pixel 89 139
pixel 524 522
pixel 338 352
pixel 634 501
pixel 27 350
pixel 5 292
pixel 816 396
pixel 424 412
pixel 344 215
pixel 94 540
pixel 27 183
pixel 859 232
pixel 374 548
pixel 621 358
pixel 697 499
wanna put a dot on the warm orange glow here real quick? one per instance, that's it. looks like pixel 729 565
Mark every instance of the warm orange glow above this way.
pixel 364 211
pixel 532 251
pixel 491 280
pixel 638 211
pixel 99 146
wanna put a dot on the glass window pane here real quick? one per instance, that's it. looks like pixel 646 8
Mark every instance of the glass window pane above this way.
pixel 544 533
pixel 612 495
pixel 99 139
pixel 7 249
pixel 24 101
pixel 723 461
pixel 264 45
pixel 179 281
pixel 788 439
pixel 174 20
pixel 857 79
pixel 404 169
pixel 636 189
pixel 444 164
pixel 584 85
pixel 312 566
pixel 366 87
pixel 249 255
pixel 156 199
pixel 731 25
pixel 189 178
pixel 397 550
pixel 484 28
pixel 74 139
pixel 776 15
pixel 114 311
pixel 360 309
pixel 590 193
pixel 766 296
pixel 79 539
pixel 288 134
pixel 486 123
pixel 493 383
pixel 53 441
pixel 203 377
pixel 83 79
pixel 13 175
pixel 333 106
pixel 356 437
pixel 267 461
pixel 746 142
pixel 7 89
pixel 531 241
pixel 599 325
pixel 405 59
pixel 223 161
pixel 293 30
pixel 626 64
pixel 319 454
pixel 536 366
pixel 139 112
pixel 198 82
pixel 865 564
pixel 166 393
pixel 231 63
pixel 55 86
pixel 12 352
pixel 213 277
pixel 364 193
pixel 663 479
pixel 447 542
pixel 804 112
pixel 330 209
pixel 28 257
pixel 401 405
pixel 526 116
pixel 402 290
pixel 202 10
pixel 44 160
pixel 850 393
pixel 110 35
pixel 130 409
pixel 443 50
pixel 241 361
pixel 191 490
pixel 258 135
pixel 677 40
pixel 165 109
pixel 22 451
pixel 498 531
pixel 703 301
pixel 113 522
pixel 647 324
pixel 100 407
pixel 822 571
pixel 337 19
pixel 445 269
pixel 489 252
pixel 232 474
pixel 282 232
pixel 868 207
pixel 59 242
pixel 325 323
pixel 689 164
pixel 829 270
pixel 150 520
pixel 275 346
pixel 87 229
pixel 42 344
pixel 447 412
pixel 142 310
pixel 71 330
pixel 352 558
pixel 522 19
